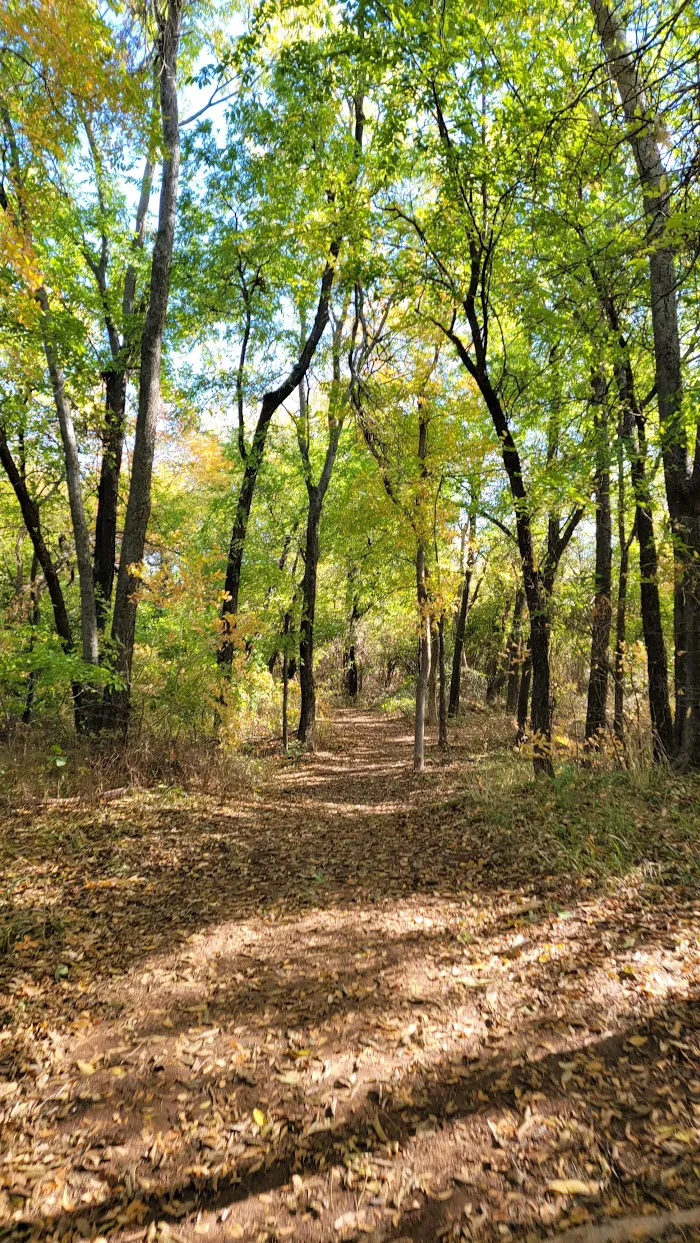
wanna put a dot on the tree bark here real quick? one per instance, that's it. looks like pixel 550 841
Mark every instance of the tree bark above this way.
pixel 149 399
pixel 621 611
pixel 423 664
pixel 307 682
pixel 317 494
pixel 423 673
pixel 513 653
pixel 596 715
pixel 634 434
pixel 432 706
pixel 442 688
pixel 81 534
pixel 460 628
pixel 116 379
pixel 682 481
pixel 524 697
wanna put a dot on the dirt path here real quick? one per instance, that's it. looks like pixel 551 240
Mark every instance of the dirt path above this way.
pixel 340 1007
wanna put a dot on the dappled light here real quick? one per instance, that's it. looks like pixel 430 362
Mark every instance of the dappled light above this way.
pixel 291 1019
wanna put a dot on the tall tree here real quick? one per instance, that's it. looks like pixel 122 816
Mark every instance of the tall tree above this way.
pixel 138 508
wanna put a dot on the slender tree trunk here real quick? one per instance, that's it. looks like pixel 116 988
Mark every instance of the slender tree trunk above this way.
pixel 116 379
pixel 254 457
pixel 81 534
pixel 596 715
pixel 620 646
pixel 657 664
pixel 108 493
pixel 680 641
pixel 432 706
pixel 460 630
pixel 442 688
pixel 513 654
pixel 138 507
pixel 524 697
pixel 690 752
pixel 285 681
pixel 34 619
pixel 317 494
pixel 621 612
pixel 30 516
pixel 307 717
pixel 682 482
pixel 423 665
pixel 500 663
pixel 541 691
pixel 423 674
pixel 350 670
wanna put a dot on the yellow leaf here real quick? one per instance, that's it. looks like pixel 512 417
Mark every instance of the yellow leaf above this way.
pixel 301 1052
pixel 85 1068
pixel 380 1130
pixel 259 1117
pixel 637 1041
pixel 571 1187
pixel 289 1076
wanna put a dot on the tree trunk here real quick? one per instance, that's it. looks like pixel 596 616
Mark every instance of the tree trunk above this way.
pixel 460 629
pixel 254 457
pixel 307 717
pixel 524 697
pixel 596 715
pixel 350 670
pixel 680 664
pixel 149 399
pixel 423 673
pixel 621 613
pixel 657 665
pixel 442 696
pixel 108 493
pixel 116 378
pixel 81 535
pixel 682 483
pixel 317 494
pixel 30 515
pixel 432 706
pixel 541 705
pixel 514 653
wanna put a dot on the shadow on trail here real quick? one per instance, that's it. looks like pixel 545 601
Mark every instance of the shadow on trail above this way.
pixel 507 1118
pixel 440 982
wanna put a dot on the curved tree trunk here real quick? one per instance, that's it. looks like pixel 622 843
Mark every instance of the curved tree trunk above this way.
pixel 254 457
pixel 30 516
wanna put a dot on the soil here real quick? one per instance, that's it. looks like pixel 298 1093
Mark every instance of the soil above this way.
pixel 338 1007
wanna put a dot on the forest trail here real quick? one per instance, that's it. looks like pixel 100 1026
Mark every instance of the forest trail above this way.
pixel 344 1006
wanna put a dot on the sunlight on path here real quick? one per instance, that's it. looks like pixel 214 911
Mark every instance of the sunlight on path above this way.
pixel 325 1014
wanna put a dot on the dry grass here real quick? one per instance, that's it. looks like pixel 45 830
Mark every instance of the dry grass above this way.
pixel 35 766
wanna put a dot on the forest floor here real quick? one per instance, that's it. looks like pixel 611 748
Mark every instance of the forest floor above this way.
pixel 353 1003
